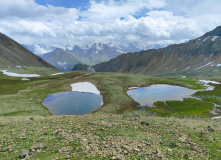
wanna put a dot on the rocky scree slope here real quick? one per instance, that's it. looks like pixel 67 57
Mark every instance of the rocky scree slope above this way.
pixel 12 54
pixel 196 54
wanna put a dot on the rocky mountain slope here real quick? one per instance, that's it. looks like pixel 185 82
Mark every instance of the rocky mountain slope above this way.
pixel 12 54
pixel 61 59
pixel 200 53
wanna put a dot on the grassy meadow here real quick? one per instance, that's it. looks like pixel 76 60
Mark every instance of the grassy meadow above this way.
pixel 116 130
pixel 24 97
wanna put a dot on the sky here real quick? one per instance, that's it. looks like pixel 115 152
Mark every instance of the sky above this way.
pixel 144 22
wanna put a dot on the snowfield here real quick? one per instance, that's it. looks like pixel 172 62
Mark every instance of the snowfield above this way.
pixel 85 87
pixel 5 72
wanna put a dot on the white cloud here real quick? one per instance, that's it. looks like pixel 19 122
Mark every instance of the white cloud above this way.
pixel 156 22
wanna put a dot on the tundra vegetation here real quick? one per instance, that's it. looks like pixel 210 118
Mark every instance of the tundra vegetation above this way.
pixel 171 130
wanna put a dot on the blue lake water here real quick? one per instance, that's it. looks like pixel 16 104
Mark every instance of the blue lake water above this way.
pixel 146 96
pixel 72 103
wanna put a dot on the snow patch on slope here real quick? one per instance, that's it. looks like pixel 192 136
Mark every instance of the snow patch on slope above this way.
pixel 206 38
pixel 204 65
pixel 85 87
pixel 186 68
pixel 57 74
pixel 214 38
pixel 18 75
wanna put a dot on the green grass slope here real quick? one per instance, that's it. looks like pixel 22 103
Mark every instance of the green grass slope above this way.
pixel 13 54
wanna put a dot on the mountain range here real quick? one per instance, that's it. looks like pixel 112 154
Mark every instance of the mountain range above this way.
pixel 65 58
pixel 196 54
pixel 12 55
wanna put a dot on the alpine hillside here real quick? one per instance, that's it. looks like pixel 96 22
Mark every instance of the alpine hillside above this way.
pixel 12 55
pixel 200 53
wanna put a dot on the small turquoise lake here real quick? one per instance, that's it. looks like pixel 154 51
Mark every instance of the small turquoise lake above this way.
pixel 146 96
pixel 72 103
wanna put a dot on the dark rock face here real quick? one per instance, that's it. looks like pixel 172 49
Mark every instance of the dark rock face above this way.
pixel 202 52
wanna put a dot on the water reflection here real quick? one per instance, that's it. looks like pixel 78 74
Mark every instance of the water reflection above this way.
pixel 72 103
pixel 146 96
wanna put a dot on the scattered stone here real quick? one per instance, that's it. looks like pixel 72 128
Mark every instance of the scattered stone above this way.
pixel 64 150
pixel 31 119
pixel 38 151
pixel 157 157
pixel 144 124
pixel 136 150
pixel 113 158
pixel 203 134
pixel 67 157
pixel 56 131
pixel 170 151
pixel 5 149
pixel 210 129
pixel 173 145
pixel 136 115
pixel 24 153
pixel 173 132
pixel 38 146
pixel 182 139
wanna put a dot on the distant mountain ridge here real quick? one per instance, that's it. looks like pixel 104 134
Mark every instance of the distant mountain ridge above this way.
pixel 67 57
pixel 12 54
pixel 196 54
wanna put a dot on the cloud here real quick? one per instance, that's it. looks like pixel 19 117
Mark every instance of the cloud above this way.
pixel 117 21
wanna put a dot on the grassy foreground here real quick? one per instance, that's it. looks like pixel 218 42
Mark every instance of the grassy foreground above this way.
pixel 108 136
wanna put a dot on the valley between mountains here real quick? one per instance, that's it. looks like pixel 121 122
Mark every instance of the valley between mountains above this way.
pixel 186 129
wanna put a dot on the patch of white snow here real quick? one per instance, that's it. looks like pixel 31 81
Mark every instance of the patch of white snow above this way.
pixel 25 79
pixel 56 74
pixel 19 75
pixel 85 87
pixel 132 88
pixel 186 68
pixel 216 117
pixel 205 39
pixel 218 65
pixel 203 66
pixel 206 82
pixel 209 87
pixel 214 38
